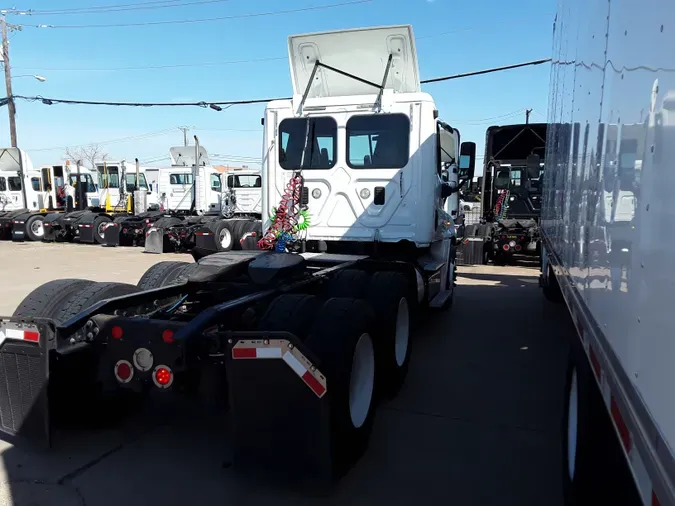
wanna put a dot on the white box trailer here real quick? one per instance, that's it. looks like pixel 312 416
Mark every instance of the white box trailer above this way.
pixel 607 220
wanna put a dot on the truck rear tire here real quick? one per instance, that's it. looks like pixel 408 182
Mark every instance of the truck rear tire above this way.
pixel 222 232
pixel 35 227
pixel 342 339
pixel 99 228
pixel 77 390
pixel 47 300
pixel 159 274
pixel 292 313
pixel 347 283
pixel 388 293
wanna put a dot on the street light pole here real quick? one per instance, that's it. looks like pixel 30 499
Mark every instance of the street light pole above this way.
pixel 11 107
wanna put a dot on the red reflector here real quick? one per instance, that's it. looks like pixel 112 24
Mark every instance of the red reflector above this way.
pixel 31 335
pixel 655 500
pixel 123 371
pixel 116 332
pixel 167 336
pixel 518 247
pixel 505 247
pixel 125 230
pixel 621 426
pixel 244 353
pixel 163 376
pixel 312 383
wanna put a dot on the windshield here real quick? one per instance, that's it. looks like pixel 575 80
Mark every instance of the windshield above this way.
pixel 321 148
pixel 131 181
pixel 86 180
pixel 110 177
pixel 240 181
pixel 378 141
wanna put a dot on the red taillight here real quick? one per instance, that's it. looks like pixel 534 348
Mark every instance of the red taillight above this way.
pixel 162 376
pixel 29 335
pixel 518 247
pixel 505 247
pixel 123 371
pixel 167 336
pixel 116 332
pixel 125 230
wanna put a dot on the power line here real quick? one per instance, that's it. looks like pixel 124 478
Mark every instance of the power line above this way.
pixel 102 143
pixel 122 8
pixel 486 71
pixel 77 9
pixel 205 20
pixel 237 62
pixel 220 105
pixel 153 67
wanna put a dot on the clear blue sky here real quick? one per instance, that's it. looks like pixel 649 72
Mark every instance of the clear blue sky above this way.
pixel 89 64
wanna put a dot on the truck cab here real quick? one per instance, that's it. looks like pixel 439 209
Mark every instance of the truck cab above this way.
pixel 112 172
pixel 373 155
pixel 244 193
pixel 187 185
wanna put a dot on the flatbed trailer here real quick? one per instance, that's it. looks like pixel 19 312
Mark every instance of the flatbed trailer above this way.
pixel 607 251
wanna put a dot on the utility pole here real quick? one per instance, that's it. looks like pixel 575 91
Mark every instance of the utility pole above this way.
pixel 185 131
pixel 11 106
pixel 527 115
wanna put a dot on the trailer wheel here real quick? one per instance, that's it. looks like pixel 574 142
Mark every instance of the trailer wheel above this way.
pixel 342 339
pixel 595 470
pixel 346 283
pixel 388 293
pixel 99 225
pixel 46 300
pixel 292 313
pixel 158 274
pixel 35 228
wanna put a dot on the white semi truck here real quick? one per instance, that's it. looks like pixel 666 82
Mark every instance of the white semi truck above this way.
pixel 312 330
pixel 606 221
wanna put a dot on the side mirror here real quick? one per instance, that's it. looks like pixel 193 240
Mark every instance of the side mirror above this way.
pixel 533 166
pixel 503 179
pixel 467 160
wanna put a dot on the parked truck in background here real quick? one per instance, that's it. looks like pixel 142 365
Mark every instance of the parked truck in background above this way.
pixel 511 192
pixel 199 215
pixel 607 252
pixel 57 201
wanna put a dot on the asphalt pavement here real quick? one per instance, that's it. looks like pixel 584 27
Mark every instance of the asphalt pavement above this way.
pixel 476 424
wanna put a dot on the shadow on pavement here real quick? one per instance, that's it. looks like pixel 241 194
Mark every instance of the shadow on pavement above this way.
pixel 476 424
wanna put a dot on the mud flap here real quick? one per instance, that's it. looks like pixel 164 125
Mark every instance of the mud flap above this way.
pixel 85 226
pixel 19 227
pixel 51 227
pixel 111 234
pixel 280 411
pixel 5 228
pixel 205 243
pixel 154 240
pixel 24 379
